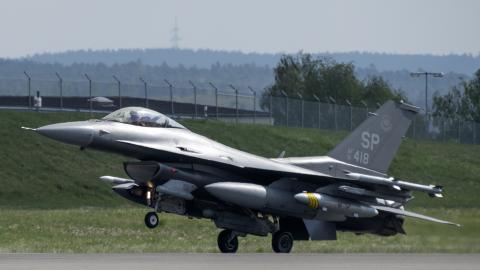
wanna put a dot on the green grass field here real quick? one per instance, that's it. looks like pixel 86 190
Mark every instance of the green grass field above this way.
pixel 122 230
pixel 52 201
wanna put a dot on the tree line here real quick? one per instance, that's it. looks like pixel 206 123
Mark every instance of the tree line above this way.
pixel 310 77
pixel 462 102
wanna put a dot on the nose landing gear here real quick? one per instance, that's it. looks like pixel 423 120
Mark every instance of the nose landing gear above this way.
pixel 151 220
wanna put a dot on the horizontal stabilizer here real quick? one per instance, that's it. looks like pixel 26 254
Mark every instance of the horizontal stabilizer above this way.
pixel 412 214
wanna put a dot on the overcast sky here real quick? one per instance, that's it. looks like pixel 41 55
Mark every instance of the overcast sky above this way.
pixel 402 26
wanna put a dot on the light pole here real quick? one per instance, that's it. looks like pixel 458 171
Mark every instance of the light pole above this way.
pixel 426 74
pixel 194 99
pixel 119 86
pixel 90 92
pixel 170 90
pixel 29 79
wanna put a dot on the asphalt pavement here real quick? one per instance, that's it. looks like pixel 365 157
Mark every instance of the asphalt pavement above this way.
pixel 239 261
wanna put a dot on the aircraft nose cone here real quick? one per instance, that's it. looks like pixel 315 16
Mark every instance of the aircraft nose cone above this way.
pixel 76 133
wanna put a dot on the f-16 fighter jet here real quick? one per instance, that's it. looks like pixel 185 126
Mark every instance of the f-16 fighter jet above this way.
pixel 175 170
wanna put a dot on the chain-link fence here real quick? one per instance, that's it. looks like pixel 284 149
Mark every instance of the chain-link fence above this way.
pixel 207 100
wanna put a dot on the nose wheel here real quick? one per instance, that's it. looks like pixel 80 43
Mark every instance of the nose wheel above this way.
pixel 151 220
pixel 282 242
pixel 227 241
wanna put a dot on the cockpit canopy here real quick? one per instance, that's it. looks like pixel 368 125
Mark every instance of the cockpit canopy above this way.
pixel 142 117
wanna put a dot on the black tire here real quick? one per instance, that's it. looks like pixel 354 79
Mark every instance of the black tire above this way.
pixel 227 242
pixel 151 220
pixel 282 242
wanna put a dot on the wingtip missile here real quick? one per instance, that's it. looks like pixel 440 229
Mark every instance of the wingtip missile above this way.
pixel 28 128
pixel 115 180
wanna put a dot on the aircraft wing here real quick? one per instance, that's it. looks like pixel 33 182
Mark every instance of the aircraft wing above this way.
pixel 237 161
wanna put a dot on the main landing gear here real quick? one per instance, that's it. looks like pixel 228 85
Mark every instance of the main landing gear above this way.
pixel 227 241
pixel 282 242
pixel 151 220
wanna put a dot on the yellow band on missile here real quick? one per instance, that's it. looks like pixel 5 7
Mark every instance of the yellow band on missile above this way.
pixel 312 201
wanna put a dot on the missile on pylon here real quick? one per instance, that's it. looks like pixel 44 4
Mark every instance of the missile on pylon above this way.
pixel 336 205
pixel 432 190
pixel 378 180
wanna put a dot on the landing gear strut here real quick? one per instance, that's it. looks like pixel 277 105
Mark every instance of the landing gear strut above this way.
pixel 151 220
pixel 227 241
pixel 282 242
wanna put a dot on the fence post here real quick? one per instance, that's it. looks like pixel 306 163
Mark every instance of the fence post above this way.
pixel 90 92
pixel 350 110
pixel 254 104
pixel 474 129
pixel 444 131
pixel 271 109
pixel 459 132
pixel 29 79
pixel 146 90
pixel 170 88
pixel 318 107
pixel 366 108
pixel 301 108
pixel 236 103
pixel 286 107
pixel 414 126
pixel 194 99
pixel 216 99
pixel 60 87
pixel 119 86
pixel 334 112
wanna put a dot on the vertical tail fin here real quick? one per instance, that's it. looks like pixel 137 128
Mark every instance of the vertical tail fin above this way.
pixel 374 143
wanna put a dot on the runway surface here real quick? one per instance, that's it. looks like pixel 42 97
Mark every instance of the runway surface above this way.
pixel 239 261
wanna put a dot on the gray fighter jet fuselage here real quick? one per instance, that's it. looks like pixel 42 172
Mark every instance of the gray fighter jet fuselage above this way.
pixel 177 171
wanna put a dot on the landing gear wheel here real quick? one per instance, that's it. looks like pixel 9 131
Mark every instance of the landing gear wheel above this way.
pixel 227 241
pixel 151 220
pixel 282 242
